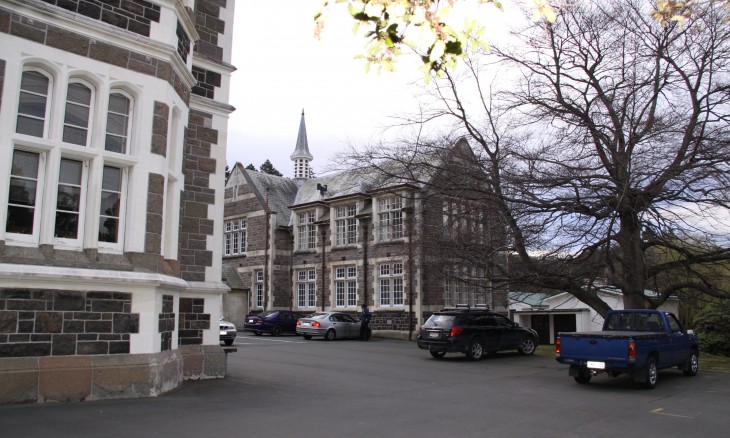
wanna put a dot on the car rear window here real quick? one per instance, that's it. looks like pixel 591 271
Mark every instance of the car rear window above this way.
pixel 440 321
pixel 269 313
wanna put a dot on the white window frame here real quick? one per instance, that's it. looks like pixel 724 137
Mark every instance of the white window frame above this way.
pixel 390 284
pixel 33 237
pixel 90 118
pixel 82 213
pixel 258 296
pixel 129 118
pixel 345 224
pixel 390 218
pixel 306 230
pixel 49 102
pixel 306 281
pixel 93 155
pixel 124 184
pixel 235 241
pixel 345 289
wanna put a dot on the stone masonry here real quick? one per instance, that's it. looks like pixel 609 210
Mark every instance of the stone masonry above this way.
pixel 63 323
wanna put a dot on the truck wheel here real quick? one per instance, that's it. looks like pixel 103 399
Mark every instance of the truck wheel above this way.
pixel 650 374
pixel 692 365
pixel 475 350
pixel 583 377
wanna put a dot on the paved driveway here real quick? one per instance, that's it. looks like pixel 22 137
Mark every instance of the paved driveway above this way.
pixel 289 387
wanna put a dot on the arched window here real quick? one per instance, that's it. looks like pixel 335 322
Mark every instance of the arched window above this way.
pixel 117 123
pixel 33 104
pixel 78 114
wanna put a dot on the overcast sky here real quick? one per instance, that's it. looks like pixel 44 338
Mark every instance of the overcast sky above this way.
pixel 283 69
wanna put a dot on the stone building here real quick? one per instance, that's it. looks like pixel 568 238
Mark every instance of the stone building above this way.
pixel 361 236
pixel 113 116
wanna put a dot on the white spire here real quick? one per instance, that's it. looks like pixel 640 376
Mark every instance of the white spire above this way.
pixel 301 155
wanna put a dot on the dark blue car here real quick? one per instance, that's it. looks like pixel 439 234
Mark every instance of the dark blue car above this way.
pixel 274 322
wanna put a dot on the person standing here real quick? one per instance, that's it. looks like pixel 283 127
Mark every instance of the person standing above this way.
pixel 365 323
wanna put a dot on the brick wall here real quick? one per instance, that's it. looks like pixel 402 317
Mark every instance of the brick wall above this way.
pixel 62 323
pixel 193 321
pixel 52 36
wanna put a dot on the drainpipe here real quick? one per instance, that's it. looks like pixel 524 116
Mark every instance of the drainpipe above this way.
pixel 324 235
pixel 365 261
pixel 266 253
pixel 411 275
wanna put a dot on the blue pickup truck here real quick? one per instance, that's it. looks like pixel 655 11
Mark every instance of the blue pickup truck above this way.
pixel 634 342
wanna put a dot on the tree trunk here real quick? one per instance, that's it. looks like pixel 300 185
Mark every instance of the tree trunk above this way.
pixel 633 265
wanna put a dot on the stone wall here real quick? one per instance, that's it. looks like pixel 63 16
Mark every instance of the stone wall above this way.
pixel 79 44
pixel 64 323
pixel 133 15
pixel 209 25
pixel 193 320
pixel 198 197
pixel 166 324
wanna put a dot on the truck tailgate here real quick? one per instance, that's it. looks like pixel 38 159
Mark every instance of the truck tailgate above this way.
pixel 593 347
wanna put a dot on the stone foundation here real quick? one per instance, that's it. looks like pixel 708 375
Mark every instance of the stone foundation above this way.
pixel 86 378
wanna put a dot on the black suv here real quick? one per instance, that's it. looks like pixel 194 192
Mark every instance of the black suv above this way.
pixel 474 332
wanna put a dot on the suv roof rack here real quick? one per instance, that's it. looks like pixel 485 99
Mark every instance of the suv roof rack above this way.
pixel 467 307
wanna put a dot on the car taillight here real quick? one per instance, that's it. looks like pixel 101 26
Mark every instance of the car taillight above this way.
pixel 299 323
pixel 557 347
pixel 315 324
pixel 456 331
pixel 632 352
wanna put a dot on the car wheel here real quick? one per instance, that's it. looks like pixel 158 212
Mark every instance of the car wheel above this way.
pixel 229 341
pixel 307 336
pixel 475 350
pixel 527 346
pixel 583 377
pixel 692 366
pixel 329 335
pixel 650 374
pixel 276 331
pixel 438 354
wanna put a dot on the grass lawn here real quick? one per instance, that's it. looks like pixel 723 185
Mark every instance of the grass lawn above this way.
pixel 708 362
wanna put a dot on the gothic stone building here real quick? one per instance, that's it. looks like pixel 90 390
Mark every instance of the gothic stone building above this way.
pixel 338 241
pixel 113 117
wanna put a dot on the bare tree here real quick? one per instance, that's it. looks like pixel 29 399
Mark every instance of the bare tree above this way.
pixel 610 145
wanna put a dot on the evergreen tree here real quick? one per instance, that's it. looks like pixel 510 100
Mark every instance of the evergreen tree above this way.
pixel 251 167
pixel 269 168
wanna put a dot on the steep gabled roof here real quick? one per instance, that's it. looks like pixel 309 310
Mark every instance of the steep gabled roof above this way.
pixel 280 191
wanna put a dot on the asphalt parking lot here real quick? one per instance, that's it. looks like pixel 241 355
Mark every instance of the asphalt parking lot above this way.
pixel 289 387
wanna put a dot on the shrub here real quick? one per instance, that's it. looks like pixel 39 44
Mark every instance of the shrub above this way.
pixel 712 325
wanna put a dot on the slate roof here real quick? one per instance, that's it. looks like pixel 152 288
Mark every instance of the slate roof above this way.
pixel 233 279
pixel 282 192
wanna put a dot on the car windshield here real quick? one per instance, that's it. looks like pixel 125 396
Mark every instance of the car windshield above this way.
pixel 437 320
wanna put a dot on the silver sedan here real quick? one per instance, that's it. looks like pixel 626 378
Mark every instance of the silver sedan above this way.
pixel 329 325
